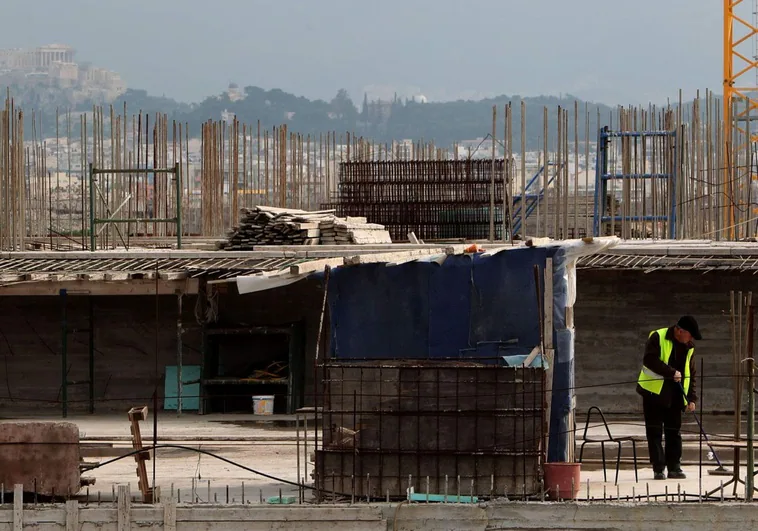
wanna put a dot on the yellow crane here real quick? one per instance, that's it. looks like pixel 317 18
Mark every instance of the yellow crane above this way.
pixel 740 95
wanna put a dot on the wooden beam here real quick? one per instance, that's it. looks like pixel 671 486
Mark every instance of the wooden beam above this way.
pixel 396 257
pixel 549 351
pixel 530 358
pixel 100 288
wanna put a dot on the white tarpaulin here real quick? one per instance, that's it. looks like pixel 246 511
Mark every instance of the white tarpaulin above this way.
pixel 264 281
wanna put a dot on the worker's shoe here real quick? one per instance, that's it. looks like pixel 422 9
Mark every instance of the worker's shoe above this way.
pixel 659 475
pixel 677 474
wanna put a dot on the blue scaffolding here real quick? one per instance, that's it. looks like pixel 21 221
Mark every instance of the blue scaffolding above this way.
pixel 602 177
pixel 530 200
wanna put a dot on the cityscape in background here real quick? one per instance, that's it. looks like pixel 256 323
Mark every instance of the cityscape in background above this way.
pixel 55 66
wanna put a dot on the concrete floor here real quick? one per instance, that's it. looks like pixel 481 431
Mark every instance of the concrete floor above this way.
pixel 271 447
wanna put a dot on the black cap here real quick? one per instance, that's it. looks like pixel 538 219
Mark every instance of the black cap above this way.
pixel 690 324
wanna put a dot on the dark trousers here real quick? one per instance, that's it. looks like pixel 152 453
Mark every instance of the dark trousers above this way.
pixel 660 420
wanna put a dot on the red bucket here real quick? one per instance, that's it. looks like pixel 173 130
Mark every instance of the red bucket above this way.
pixel 558 480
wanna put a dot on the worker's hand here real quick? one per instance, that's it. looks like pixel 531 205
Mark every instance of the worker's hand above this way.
pixel 677 376
pixel 690 407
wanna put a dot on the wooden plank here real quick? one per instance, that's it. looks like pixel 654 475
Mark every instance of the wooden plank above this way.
pixel 18 507
pixel 392 258
pixel 315 265
pixel 549 352
pixel 549 361
pixel 532 355
pixel 536 242
pixel 116 276
pixel 135 416
pixel 72 515
pixel 548 305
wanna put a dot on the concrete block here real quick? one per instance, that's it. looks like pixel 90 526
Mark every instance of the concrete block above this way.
pixel 47 452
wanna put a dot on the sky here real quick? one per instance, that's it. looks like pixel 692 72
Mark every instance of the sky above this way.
pixel 605 51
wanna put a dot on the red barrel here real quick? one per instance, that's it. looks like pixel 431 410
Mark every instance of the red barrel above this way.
pixel 558 480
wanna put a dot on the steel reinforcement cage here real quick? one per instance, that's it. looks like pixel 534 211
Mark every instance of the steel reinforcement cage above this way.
pixel 435 199
pixel 440 427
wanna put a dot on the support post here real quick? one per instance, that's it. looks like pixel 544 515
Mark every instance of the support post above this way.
pixel 91 338
pixel 549 347
pixel 64 354
pixel 91 208
pixel 178 180
pixel 749 479
pixel 179 353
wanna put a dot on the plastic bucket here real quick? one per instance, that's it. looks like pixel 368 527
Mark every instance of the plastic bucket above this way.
pixel 263 405
pixel 558 480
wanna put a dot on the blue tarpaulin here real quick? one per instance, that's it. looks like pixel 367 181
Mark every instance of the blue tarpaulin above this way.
pixel 423 310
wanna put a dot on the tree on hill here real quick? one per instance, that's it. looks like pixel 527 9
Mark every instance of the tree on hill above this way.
pixel 441 122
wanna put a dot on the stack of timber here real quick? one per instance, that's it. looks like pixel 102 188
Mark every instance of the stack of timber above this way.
pixel 264 225
pixel 341 231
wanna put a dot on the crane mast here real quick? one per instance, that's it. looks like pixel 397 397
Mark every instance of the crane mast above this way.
pixel 740 104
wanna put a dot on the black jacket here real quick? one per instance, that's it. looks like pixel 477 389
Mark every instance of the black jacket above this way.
pixel 671 390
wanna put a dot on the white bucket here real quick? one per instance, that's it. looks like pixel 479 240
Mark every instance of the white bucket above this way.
pixel 263 405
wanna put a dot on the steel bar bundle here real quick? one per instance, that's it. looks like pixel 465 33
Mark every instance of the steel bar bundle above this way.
pixel 13 229
pixel 434 199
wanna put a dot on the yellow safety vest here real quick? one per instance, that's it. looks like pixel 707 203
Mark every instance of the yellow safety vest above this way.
pixel 652 381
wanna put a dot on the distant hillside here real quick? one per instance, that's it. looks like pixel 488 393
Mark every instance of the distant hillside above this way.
pixel 441 122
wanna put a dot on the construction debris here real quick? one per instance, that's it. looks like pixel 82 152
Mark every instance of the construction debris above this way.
pixel 277 226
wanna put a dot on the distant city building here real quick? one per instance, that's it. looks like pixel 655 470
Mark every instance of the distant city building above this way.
pixel 55 65
pixel 228 116
pixel 235 93
pixel 37 59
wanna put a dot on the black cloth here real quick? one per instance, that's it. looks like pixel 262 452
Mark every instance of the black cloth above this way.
pixel 659 421
pixel 671 394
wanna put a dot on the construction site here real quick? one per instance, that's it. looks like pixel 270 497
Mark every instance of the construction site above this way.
pixel 250 328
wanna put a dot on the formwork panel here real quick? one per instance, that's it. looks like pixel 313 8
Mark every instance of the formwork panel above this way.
pixel 403 421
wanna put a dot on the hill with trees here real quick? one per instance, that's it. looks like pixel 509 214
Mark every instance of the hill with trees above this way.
pixel 383 121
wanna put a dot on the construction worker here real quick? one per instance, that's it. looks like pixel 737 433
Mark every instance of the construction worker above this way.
pixel 667 386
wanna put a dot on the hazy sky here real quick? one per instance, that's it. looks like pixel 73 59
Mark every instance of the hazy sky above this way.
pixel 605 50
